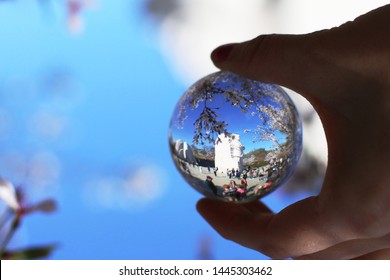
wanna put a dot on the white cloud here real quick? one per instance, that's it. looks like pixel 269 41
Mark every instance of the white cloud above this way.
pixel 138 187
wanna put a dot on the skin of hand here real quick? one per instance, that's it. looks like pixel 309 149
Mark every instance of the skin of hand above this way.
pixel 344 72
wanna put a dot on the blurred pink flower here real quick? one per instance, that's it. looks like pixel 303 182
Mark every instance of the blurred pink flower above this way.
pixel 14 199
pixel 75 9
pixel 47 206
pixel 8 195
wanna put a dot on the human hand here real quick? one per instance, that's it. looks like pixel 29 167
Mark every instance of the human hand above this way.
pixel 344 73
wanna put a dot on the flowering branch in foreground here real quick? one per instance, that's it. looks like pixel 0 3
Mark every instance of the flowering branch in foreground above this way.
pixel 17 209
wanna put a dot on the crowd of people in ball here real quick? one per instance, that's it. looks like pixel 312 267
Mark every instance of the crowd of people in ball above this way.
pixel 237 191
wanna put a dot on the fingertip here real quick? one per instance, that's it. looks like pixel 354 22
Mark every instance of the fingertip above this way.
pixel 201 204
pixel 233 221
pixel 222 53
pixel 217 212
pixel 205 204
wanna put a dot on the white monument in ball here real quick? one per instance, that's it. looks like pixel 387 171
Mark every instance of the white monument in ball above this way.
pixel 184 151
pixel 228 152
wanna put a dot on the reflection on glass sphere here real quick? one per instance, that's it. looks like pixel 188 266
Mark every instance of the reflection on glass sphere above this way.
pixel 233 138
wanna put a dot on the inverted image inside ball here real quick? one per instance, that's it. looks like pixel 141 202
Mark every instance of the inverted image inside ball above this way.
pixel 233 138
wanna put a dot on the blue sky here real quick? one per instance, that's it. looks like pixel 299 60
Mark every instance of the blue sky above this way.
pixel 237 122
pixel 110 116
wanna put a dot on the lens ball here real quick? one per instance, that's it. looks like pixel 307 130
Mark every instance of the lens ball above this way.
pixel 233 138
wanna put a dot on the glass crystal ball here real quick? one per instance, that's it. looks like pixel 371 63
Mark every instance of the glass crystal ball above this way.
pixel 233 138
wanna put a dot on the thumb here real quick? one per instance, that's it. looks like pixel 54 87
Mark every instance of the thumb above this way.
pixel 307 63
pixel 279 59
pixel 293 61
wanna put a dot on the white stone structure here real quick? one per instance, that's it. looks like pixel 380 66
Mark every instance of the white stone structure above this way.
pixel 228 152
pixel 184 151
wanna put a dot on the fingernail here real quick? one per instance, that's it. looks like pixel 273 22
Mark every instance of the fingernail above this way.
pixel 221 53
